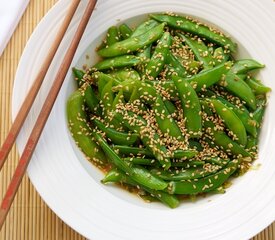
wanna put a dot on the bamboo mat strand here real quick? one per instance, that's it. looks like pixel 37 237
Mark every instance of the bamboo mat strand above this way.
pixel 29 217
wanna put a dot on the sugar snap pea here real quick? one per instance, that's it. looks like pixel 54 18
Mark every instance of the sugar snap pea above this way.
pixel 170 106
pixel 231 120
pixel 126 150
pixel 116 136
pixel 166 198
pixel 205 184
pixel 125 31
pixel 165 122
pixel 256 86
pixel 91 100
pixel 175 64
pixel 245 65
pixel 80 130
pixel 78 75
pixel 248 122
pixel 199 81
pixel 119 98
pixel 112 36
pixel 238 87
pixel 189 25
pixel 258 114
pixel 125 74
pixel 221 139
pixel 150 139
pixel 158 59
pixel 187 174
pixel 200 50
pixel 133 43
pixel 184 154
pixel 190 105
pixel 174 163
pixel 117 62
pixel 107 98
pixel 139 174
pixel 141 161
pixel 220 56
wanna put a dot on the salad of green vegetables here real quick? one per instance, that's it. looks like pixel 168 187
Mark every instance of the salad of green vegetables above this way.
pixel 168 112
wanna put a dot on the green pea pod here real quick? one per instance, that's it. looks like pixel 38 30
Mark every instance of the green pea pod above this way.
pixel 205 107
pixel 220 56
pixel 144 27
pixel 145 56
pixel 199 81
pixel 144 53
pixel 78 75
pixel 199 49
pixel 238 87
pixel 165 122
pixel 242 76
pixel 166 198
pixel 209 77
pixel 112 176
pixel 134 95
pixel 119 98
pixel 248 122
pixel 258 115
pixel 133 151
pixel 257 87
pixel 104 78
pixel 217 161
pixel 125 74
pixel 187 174
pixel 174 62
pixel 116 62
pixel 112 36
pixel 187 163
pixel 193 67
pixel 138 174
pixel 231 120
pixel 184 154
pixel 149 139
pixel 107 98
pixel 80 130
pixel 145 178
pixel 133 43
pixel 224 142
pixel 91 99
pixel 115 136
pixel 195 145
pixel 158 59
pixel 204 184
pixel 245 65
pixel 251 145
pixel 125 31
pixel 190 105
pixel 174 163
pixel 170 106
pixel 141 161
pixel 146 92
pixel 189 25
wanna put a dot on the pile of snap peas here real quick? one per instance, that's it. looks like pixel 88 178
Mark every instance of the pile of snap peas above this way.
pixel 168 112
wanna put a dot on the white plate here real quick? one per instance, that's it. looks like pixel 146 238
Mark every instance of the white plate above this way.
pixel 70 185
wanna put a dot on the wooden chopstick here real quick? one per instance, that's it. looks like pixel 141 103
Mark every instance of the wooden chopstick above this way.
pixel 43 115
pixel 26 106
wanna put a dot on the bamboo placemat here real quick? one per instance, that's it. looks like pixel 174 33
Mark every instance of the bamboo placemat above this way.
pixel 29 217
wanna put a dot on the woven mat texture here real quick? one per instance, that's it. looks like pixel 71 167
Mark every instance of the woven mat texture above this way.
pixel 30 218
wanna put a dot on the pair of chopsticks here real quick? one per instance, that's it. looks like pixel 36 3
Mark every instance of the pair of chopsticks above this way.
pixel 47 106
